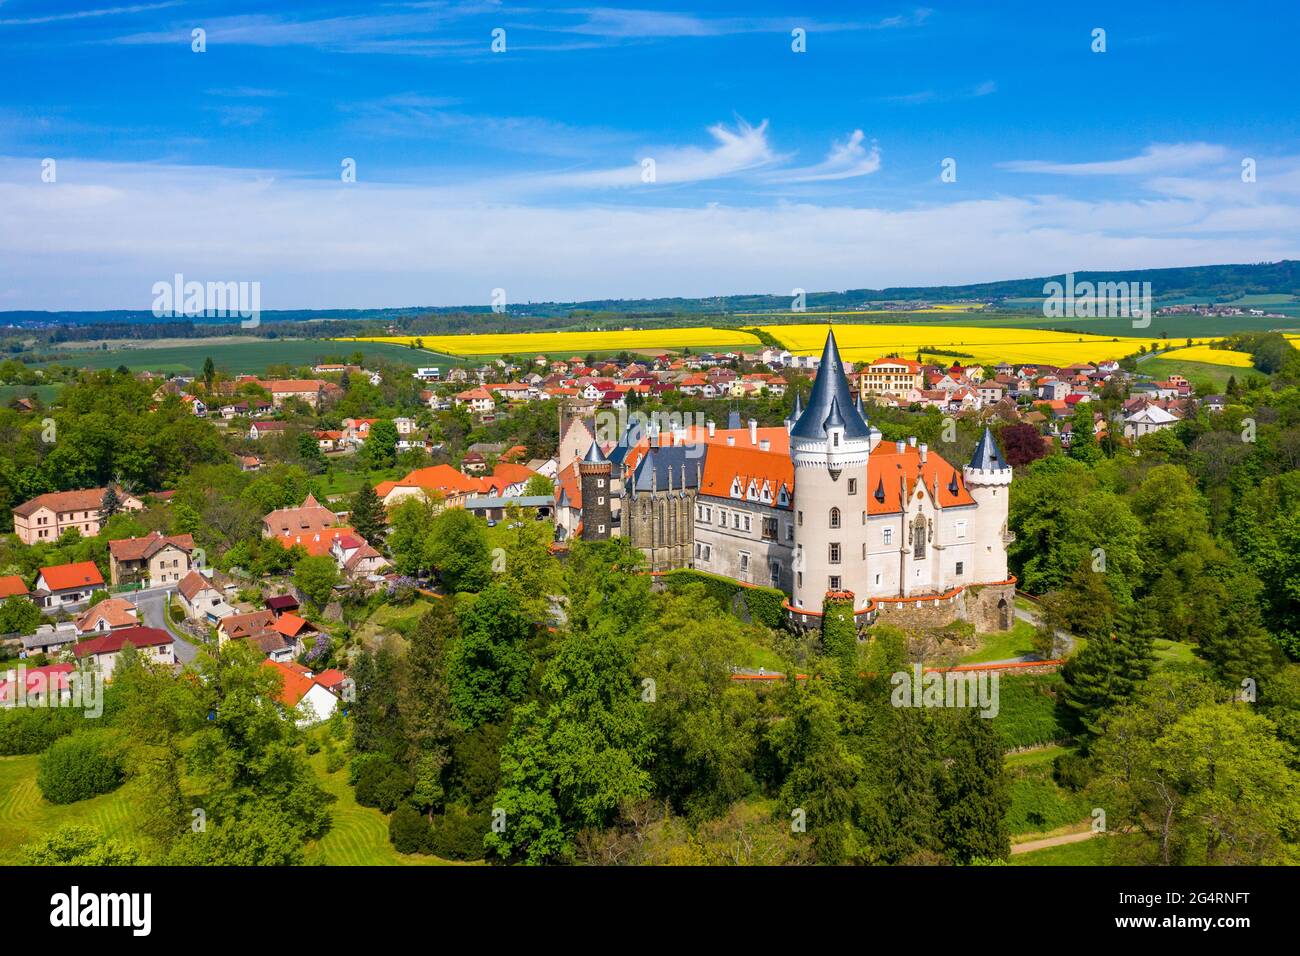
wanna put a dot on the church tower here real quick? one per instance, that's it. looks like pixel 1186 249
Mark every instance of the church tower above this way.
pixel 829 446
pixel 594 473
pixel 988 479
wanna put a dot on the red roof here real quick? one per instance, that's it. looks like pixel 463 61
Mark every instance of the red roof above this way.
pixel 290 625
pixel 64 576
pixel 315 543
pixel 11 585
pixel 295 683
pixel 724 463
pixel 116 640
pixel 887 465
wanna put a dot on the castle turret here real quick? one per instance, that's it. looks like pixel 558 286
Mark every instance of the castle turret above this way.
pixel 988 479
pixel 594 473
pixel 829 445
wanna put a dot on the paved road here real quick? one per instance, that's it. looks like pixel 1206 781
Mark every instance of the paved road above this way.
pixel 152 603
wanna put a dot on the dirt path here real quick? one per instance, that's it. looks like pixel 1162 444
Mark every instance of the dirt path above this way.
pixel 1043 844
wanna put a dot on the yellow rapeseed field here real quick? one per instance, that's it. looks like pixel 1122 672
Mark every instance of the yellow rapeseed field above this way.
pixel 1203 353
pixel 862 343
pixel 575 343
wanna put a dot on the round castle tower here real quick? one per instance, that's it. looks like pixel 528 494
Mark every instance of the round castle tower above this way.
pixel 594 473
pixel 988 479
pixel 829 445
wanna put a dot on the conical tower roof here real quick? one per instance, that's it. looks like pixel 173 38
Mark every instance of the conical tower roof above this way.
pixel 830 389
pixel 988 457
pixel 594 455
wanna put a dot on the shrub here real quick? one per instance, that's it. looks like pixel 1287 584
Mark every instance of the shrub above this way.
pixel 409 831
pixel 458 834
pixel 30 730
pixel 334 761
pixel 761 605
pixel 381 782
pixel 1071 771
pixel 82 765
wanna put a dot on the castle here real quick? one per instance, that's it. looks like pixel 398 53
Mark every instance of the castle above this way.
pixel 821 504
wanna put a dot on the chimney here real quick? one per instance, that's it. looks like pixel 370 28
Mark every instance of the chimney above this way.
pixel 912 441
pixel 901 445
pixel 753 431
pixel 731 439
pixel 765 445
pixel 711 426
pixel 924 449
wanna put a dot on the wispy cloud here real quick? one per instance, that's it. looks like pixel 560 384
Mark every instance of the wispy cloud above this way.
pixel 1158 158
pixel 987 88
pixel 612 22
pixel 845 161
pixel 86 14
pixel 734 151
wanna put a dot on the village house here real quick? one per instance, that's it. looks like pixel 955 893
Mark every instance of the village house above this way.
pixel 305 390
pixel 259 430
pixel 257 627
pixel 64 584
pixel 201 600
pixel 314 698
pixel 110 614
pixel 102 652
pixel 154 560
pixel 356 557
pixel 46 517
pixel 309 517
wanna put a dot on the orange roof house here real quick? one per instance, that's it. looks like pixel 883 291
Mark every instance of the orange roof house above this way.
pixel 60 578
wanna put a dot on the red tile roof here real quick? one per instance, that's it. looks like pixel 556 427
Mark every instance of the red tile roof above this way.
pixel 60 502
pixel 11 585
pixel 137 549
pixel 887 465
pixel 63 576
pixel 115 641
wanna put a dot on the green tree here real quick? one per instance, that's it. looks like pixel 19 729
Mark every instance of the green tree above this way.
pixel 315 577
pixel 368 516
pixel 77 844
pixel 976 795
pixel 380 449
pixel 458 549
pixel 489 663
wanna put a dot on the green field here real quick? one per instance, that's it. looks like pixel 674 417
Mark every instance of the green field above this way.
pixel 358 835
pixel 1004 645
pixel 248 357
pixel 45 393
pixel 1084 853
pixel 1194 372
pixel 25 815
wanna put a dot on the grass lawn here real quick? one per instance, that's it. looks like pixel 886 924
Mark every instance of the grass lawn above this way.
pixel 1084 853
pixel 25 815
pixel 358 835
pixel 389 619
pixel 1003 645
pixel 335 482
pixel 1174 652
pixel 1028 758
pixel 1038 805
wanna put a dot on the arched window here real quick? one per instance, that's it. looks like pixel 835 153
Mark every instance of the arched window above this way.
pixel 835 517
pixel 918 537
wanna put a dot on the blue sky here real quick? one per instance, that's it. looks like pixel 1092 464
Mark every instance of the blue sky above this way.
pixel 523 169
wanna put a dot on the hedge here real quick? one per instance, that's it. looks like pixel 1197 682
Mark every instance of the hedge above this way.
pixel 762 605
pixel 79 766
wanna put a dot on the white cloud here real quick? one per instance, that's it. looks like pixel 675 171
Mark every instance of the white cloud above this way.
pixel 736 150
pixel 104 233
pixel 1159 158
pixel 845 161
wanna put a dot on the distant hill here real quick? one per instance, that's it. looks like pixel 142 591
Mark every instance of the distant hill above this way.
pixel 1215 283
